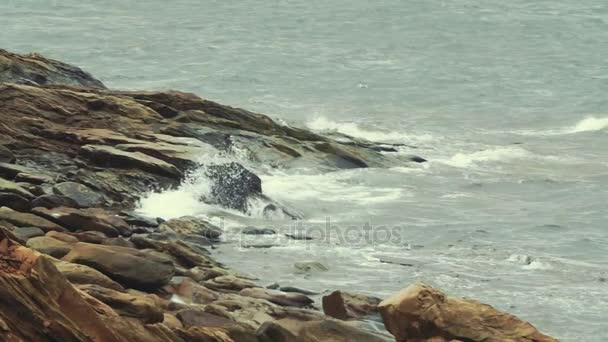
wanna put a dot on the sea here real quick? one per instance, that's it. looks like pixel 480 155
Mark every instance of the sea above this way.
pixel 507 100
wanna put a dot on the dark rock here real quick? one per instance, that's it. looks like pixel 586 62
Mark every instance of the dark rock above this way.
pixel 36 69
pixel 417 159
pixel 14 202
pixel 6 156
pixel 299 236
pixel 10 187
pixel 293 330
pixel 26 233
pixel 258 231
pixel 298 290
pixel 310 266
pixel 273 286
pixel 232 185
pixel 139 220
pixel 53 201
pixel 84 196
pixel 133 268
pixel 277 297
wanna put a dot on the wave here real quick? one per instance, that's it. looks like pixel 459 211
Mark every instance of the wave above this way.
pixel 324 125
pixel 590 124
pixel 464 160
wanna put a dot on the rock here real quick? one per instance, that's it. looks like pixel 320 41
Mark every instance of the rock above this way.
pixel 258 231
pixel 191 225
pixel 277 297
pixel 193 317
pixel 151 272
pixel 113 157
pixel 142 307
pixel 310 266
pixel 192 292
pixel 83 196
pixel 6 156
pixel 27 220
pixel 48 245
pixel 62 237
pixel 118 241
pixel 291 330
pixel 273 286
pixel 228 283
pixel 139 220
pixel 7 186
pixel 183 253
pixel 420 312
pixel 14 202
pixel 26 233
pixel 346 305
pixel 82 274
pixel 298 290
pixel 34 68
pixel 299 236
pixel 343 157
pixel 232 185
pixel 91 219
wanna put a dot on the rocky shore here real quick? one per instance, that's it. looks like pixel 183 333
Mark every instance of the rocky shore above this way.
pixel 78 264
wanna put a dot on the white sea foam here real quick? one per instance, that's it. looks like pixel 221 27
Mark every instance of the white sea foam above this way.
pixel 322 124
pixel 590 124
pixel 502 153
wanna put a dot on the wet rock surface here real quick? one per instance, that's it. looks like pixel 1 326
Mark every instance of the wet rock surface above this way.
pixel 78 264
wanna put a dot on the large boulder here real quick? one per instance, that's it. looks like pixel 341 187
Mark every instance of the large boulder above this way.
pixel 232 185
pixel 82 274
pixel 139 269
pixel 421 312
pixel 36 69
pixel 50 246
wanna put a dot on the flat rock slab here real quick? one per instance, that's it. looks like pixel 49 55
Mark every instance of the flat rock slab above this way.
pixel 113 157
pixel 82 274
pixel 50 246
pixel 82 195
pixel 91 219
pixel 130 267
pixel 28 220
pixel 191 225
pixel 10 187
pixel 277 297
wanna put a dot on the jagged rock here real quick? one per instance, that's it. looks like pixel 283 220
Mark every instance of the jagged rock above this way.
pixel 128 304
pixel 34 68
pixel 280 298
pixel 82 195
pixel 232 185
pixel 6 156
pixel 91 219
pixel 348 305
pixel 291 330
pixel 134 268
pixel 191 225
pixel 257 231
pixel 7 186
pixel 82 274
pixel 228 283
pixel 113 157
pixel 26 233
pixel 28 220
pixel 50 246
pixel 14 201
pixel 420 312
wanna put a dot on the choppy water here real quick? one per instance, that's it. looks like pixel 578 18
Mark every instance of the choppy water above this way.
pixel 507 99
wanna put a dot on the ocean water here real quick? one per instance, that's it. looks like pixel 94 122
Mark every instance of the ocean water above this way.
pixel 506 99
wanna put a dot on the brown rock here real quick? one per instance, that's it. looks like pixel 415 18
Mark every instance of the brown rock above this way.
pixel 113 157
pixel 91 219
pixel 65 237
pixel 193 317
pixel 183 253
pixel 142 307
pixel 53 201
pixel 134 268
pixel 420 312
pixel 10 187
pixel 171 321
pixel 277 297
pixel 82 274
pixel 192 292
pixel 290 330
pixel 347 305
pixel 14 202
pixel 229 283
pixel 82 195
pixel 48 245
pixel 6 156
pixel 191 225
pixel 28 220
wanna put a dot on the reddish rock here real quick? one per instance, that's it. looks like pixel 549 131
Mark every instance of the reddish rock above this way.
pixel 277 297
pixel 28 220
pixel 347 305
